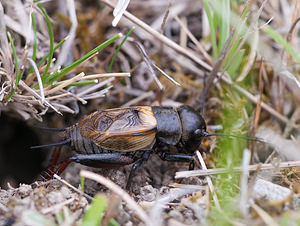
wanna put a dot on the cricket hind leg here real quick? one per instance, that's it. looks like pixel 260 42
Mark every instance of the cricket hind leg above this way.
pixel 101 160
pixel 114 159
pixel 104 160
pixel 49 172
pixel 55 167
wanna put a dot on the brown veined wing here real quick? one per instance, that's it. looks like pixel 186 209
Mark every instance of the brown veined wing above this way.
pixel 120 129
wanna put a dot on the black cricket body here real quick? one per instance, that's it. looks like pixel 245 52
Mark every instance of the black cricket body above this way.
pixel 122 136
pixel 180 127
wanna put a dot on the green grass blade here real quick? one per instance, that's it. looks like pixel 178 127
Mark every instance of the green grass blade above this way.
pixel 280 40
pixel 59 217
pixel 15 59
pixel 228 155
pixel 113 222
pixel 225 23
pixel 82 83
pixel 79 83
pixel 93 216
pixel 18 74
pixel 10 95
pixel 82 183
pixel 34 41
pixel 34 218
pixel 55 76
pixel 55 48
pixel 118 50
pixel 235 64
pixel 212 29
pixel 51 37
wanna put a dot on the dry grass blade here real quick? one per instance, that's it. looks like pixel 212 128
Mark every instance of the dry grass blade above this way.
pixel 70 5
pixel 37 73
pixel 175 193
pixel 3 208
pixel 244 183
pixel 206 172
pixel 150 64
pixel 72 187
pixel 195 41
pixel 210 184
pixel 119 10
pixel 219 63
pixel 66 83
pixel 95 87
pixel 161 37
pixel 255 100
pixel 162 202
pixel 57 206
pixel 112 209
pixel 138 99
pixel 174 222
pixel 165 74
pixel 258 105
pixel 107 75
pixel 5 55
pixel 39 51
pixel 252 55
pixel 34 93
pixel 119 191
pixel 287 148
pixel 65 94
pixel 264 215
pixel 189 186
pixel 196 59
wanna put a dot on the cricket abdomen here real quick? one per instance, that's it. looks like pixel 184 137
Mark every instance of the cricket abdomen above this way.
pixel 80 144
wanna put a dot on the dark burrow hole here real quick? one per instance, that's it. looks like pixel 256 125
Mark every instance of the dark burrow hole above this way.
pixel 18 163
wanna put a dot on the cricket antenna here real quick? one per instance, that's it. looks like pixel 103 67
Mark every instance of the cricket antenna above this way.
pixel 52 145
pixel 203 95
pixel 51 129
pixel 255 139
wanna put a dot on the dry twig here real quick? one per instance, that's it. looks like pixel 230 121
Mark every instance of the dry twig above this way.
pixel 119 191
pixel 210 184
pixel 206 172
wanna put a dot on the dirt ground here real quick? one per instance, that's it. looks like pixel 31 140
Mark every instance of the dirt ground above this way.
pixel 150 182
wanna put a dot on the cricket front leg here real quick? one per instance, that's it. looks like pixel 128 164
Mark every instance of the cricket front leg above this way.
pixel 137 165
pixel 178 157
